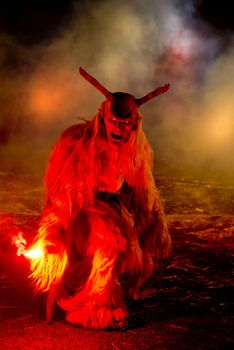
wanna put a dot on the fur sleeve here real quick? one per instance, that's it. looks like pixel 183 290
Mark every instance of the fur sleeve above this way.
pixel 151 222
pixel 150 218
pixel 61 185
pixel 156 238
pixel 62 202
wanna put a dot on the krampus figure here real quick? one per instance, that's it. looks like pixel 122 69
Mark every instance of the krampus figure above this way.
pixel 103 226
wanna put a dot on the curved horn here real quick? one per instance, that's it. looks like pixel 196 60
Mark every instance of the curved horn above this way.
pixel 160 90
pixel 94 82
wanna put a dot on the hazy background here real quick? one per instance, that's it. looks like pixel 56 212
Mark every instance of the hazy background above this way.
pixel 132 46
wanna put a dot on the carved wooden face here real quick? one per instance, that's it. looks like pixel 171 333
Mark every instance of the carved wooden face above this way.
pixel 120 118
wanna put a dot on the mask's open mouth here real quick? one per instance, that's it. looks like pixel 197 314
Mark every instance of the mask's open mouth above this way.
pixel 116 137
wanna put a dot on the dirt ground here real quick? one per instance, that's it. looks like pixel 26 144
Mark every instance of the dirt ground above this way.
pixel 190 300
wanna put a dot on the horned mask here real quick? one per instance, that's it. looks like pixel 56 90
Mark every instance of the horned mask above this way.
pixel 123 105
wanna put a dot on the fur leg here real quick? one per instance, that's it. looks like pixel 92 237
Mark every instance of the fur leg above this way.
pixel 99 304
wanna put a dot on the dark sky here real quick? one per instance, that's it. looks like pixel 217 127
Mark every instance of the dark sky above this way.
pixel 219 13
pixel 32 21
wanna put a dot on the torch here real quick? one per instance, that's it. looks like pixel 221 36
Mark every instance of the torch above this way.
pixel 20 242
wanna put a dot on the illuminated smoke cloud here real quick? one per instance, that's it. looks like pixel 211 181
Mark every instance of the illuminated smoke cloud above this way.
pixel 131 47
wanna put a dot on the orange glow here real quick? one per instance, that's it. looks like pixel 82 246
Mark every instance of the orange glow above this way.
pixel 221 128
pixel 46 100
pixel 218 127
pixel 20 242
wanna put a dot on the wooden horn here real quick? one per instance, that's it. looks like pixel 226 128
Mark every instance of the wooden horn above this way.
pixel 95 83
pixel 160 90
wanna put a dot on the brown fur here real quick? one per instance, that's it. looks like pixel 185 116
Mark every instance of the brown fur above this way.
pixel 99 253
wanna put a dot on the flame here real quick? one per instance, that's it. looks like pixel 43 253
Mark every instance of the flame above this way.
pixel 33 253
pixel 46 268
pixel 20 242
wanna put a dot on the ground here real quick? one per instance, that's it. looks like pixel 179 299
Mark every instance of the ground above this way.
pixel 189 301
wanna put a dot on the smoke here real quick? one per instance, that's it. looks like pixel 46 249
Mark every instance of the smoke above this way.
pixel 132 47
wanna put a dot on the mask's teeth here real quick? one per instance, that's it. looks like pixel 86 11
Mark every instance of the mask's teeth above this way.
pixel 116 137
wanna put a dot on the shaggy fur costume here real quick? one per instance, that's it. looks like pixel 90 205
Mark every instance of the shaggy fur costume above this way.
pixel 102 228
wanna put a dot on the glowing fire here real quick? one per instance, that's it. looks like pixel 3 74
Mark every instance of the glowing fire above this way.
pixel 20 242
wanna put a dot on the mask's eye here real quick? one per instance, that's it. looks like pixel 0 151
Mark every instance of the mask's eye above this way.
pixel 128 124
pixel 112 121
